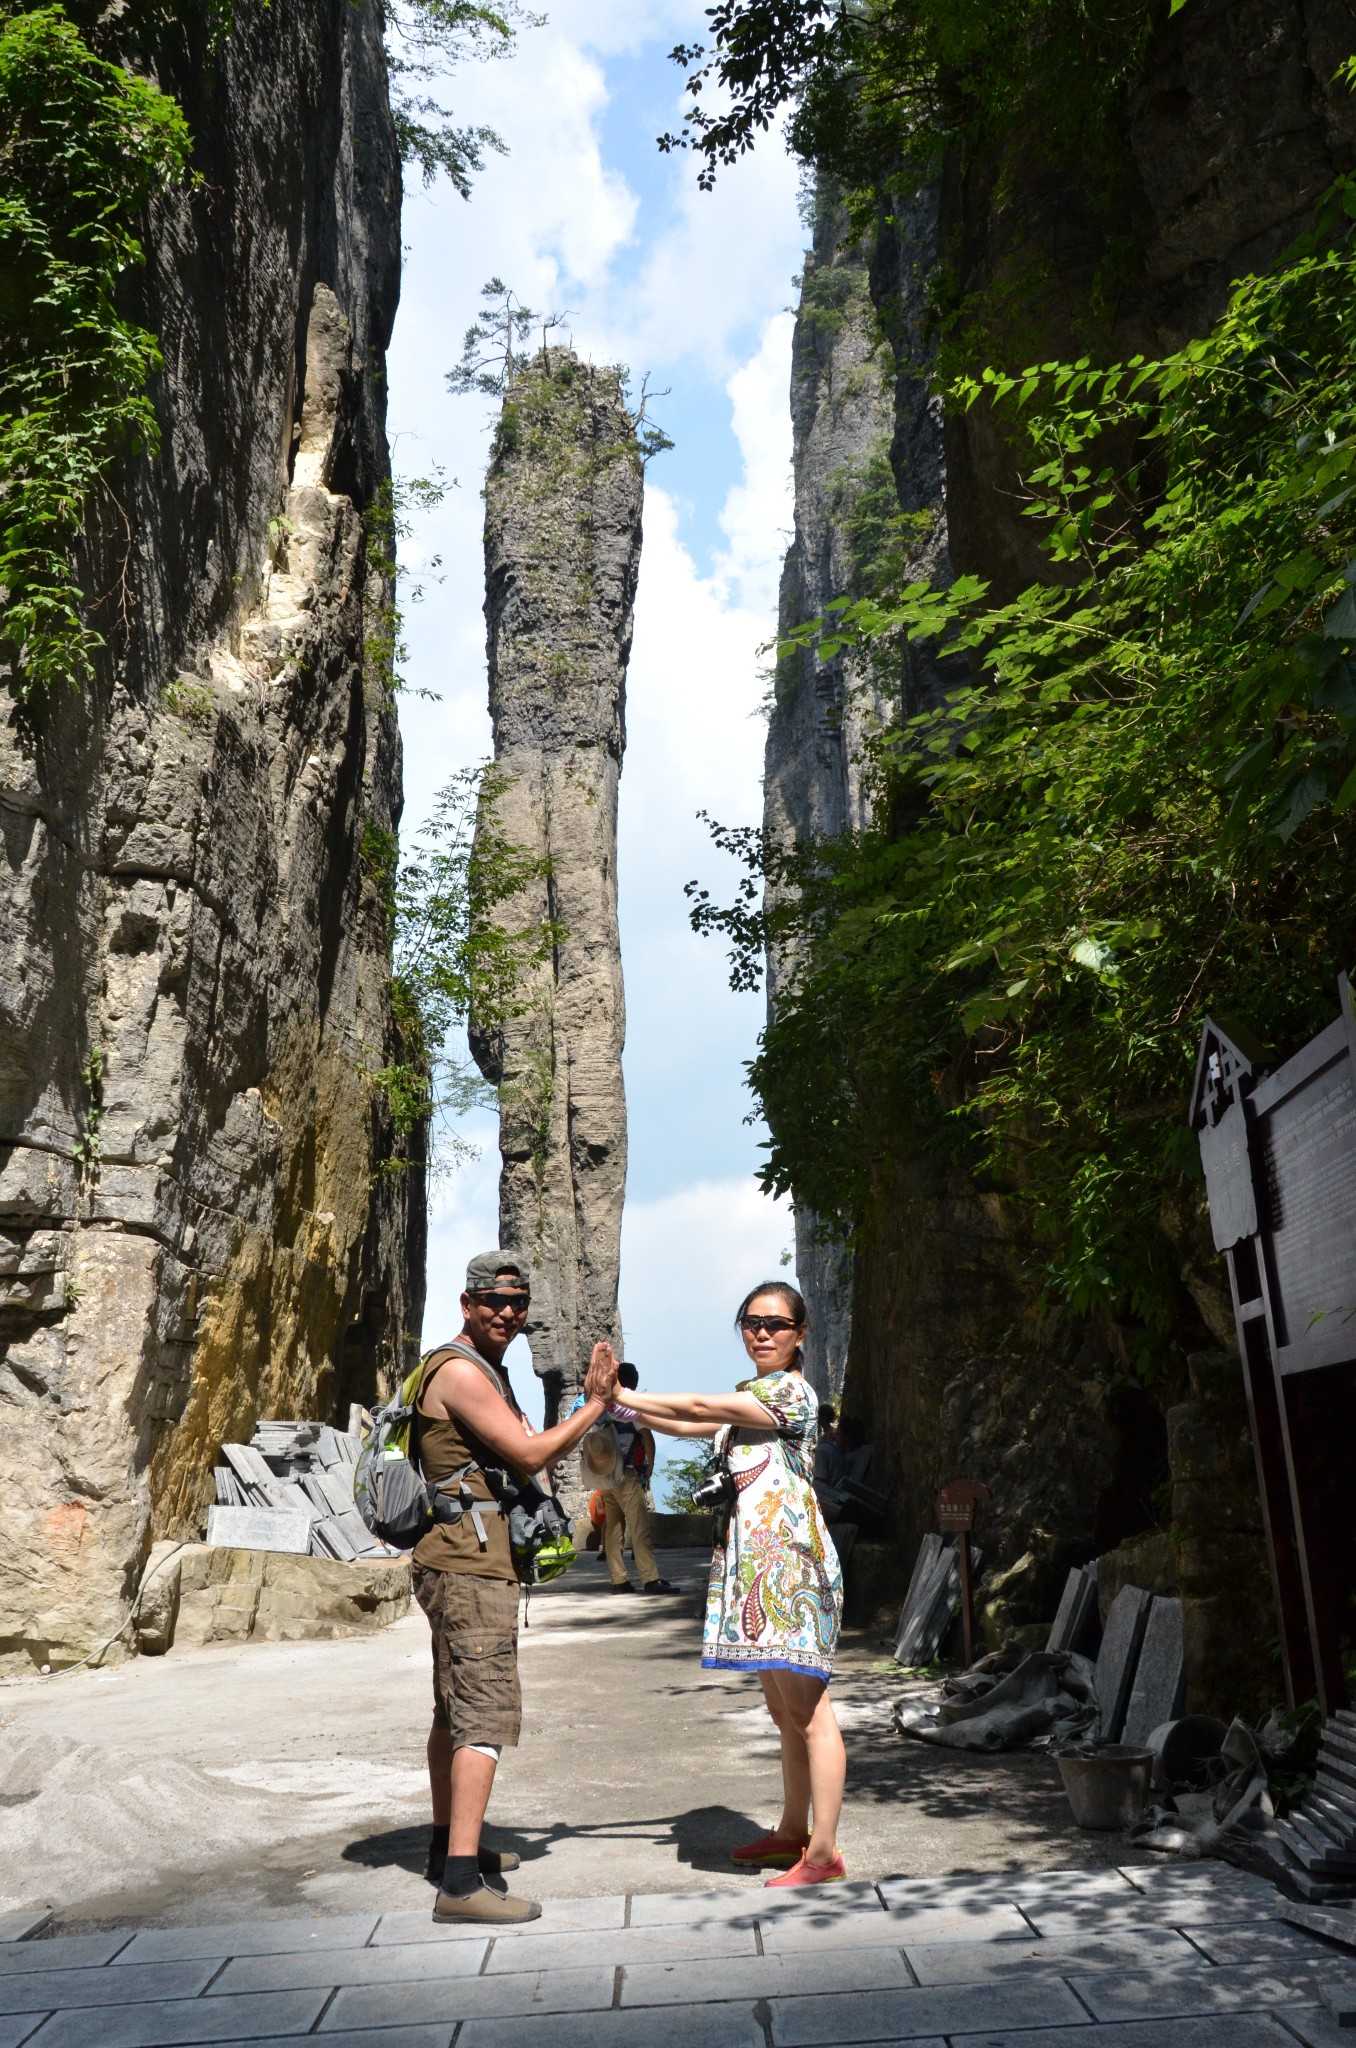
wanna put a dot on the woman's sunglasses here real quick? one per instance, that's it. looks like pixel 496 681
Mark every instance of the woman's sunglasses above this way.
pixel 774 1325
pixel 519 1303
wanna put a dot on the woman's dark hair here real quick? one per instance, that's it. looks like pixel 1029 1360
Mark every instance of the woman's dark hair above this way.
pixel 791 1297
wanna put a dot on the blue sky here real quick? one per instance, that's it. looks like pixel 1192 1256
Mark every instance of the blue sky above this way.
pixel 692 289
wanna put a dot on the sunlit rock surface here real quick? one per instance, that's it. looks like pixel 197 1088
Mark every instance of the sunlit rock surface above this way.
pixel 562 553
pixel 197 1226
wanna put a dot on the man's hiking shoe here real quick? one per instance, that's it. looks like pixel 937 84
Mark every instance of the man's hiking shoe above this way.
pixel 806 1872
pixel 485 1908
pixel 771 1850
pixel 624 1587
pixel 661 1586
pixel 493 1862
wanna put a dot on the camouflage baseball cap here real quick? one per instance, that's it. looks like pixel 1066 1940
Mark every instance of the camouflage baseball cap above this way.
pixel 486 1267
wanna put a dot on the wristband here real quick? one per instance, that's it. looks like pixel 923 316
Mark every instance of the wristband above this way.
pixel 621 1414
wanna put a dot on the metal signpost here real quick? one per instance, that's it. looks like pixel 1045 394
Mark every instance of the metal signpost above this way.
pixel 1279 1153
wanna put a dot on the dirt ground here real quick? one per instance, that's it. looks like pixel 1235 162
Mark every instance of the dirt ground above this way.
pixel 229 1783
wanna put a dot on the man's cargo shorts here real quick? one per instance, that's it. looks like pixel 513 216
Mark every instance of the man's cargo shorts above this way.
pixel 475 1654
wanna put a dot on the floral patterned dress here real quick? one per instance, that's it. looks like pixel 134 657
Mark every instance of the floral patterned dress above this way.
pixel 776 1594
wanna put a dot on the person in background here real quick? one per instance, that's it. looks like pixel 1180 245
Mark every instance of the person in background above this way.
pixel 628 1509
pixel 828 1452
pixel 776 1593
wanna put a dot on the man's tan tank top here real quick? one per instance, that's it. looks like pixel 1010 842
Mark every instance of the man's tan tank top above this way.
pixel 445 1445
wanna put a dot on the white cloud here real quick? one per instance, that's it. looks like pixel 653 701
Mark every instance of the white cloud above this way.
pixel 691 287
pixel 688 1260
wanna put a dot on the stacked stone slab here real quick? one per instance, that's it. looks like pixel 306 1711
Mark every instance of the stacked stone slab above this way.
pixel 1319 1835
pixel 562 553
pixel 291 1489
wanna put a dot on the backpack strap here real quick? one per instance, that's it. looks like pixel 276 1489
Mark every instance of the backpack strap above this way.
pixel 455 1482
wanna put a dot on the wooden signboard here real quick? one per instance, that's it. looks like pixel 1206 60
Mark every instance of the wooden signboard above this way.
pixel 1279 1153
pixel 957 1504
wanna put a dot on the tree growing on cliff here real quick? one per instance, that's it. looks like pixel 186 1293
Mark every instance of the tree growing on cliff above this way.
pixel 425 39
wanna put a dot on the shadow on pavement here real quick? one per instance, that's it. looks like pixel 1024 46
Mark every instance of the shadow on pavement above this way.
pixel 702 1837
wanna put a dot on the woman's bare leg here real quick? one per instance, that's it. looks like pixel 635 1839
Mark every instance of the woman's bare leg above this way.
pixel 795 1820
pixel 808 1710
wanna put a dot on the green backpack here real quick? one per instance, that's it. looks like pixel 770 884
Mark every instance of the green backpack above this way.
pixel 398 1504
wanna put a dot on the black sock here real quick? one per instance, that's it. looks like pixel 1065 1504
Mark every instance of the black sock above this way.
pixel 437 1845
pixel 461 1877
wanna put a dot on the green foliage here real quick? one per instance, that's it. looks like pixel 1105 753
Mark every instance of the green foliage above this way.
pixel 1135 813
pixel 388 522
pixel 424 40
pixel 83 144
pixel 452 953
pixel 681 1476
pixel 876 87
pixel 494 347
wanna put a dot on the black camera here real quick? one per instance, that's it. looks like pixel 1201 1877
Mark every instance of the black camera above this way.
pixel 716 1491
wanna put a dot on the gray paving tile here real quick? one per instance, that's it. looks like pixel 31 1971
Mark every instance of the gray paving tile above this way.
pixel 1154 1879
pixel 1142 1948
pixel 1187 1909
pixel 1053 1887
pixel 701 2026
pixel 16 2027
pixel 697 1909
pixel 766 1976
pixel 626 1945
pixel 1261 1941
pixel 980 1921
pixel 464 1998
pixel 63 1952
pixel 175 2021
pixel 1240 2030
pixel 436 2036
pixel 327 1967
pixel 912 2015
pixel 23 1925
pixel 249 1938
pixel 1315 2027
pixel 1164 1994
pixel 51 1990
pixel 558 1916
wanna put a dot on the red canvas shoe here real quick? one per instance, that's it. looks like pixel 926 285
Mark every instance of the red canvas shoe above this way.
pixel 805 1872
pixel 771 1849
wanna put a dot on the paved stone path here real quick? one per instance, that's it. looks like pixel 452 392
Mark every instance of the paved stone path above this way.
pixel 1177 1956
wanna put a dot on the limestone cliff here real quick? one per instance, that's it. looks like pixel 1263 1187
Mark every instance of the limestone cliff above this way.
pixel 562 554
pixel 866 452
pixel 1229 135
pixel 196 1227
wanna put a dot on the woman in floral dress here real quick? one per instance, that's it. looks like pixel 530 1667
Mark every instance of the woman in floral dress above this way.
pixel 776 1592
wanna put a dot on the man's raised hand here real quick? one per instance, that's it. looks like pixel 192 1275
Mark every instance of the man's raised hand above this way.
pixel 601 1379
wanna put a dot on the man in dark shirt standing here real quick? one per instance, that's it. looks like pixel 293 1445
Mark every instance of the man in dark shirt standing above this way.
pixel 466 1584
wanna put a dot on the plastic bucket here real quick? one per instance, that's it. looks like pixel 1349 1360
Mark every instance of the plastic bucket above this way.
pixel 1184 1750
pixel 1107 1787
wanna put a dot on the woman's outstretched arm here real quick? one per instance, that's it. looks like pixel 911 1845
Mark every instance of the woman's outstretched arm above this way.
pixel 706 1411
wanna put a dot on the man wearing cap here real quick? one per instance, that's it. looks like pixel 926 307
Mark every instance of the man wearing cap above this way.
pixel 465 1582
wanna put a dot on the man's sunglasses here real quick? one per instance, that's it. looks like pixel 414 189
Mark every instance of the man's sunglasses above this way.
pixel 774 1325
pixel 519 1303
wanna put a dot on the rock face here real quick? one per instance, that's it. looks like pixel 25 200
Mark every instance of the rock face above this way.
pixel 1230 135
pixel 195 1228
pixel 562 554
pixel 867 450
pixel 203 1593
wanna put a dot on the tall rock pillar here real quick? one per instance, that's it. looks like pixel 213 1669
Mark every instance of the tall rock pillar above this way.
pixel 562 553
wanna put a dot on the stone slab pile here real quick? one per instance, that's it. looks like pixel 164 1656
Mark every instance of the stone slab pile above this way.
pixel 1140 1958
pixel 291 1489
pixel 1319 1835
pixel 932 1601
